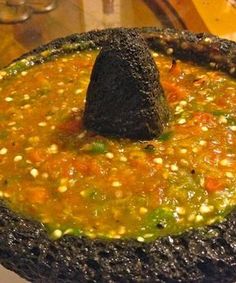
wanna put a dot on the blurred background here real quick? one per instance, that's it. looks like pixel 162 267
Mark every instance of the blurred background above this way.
pixel 45 20
pixel 71 16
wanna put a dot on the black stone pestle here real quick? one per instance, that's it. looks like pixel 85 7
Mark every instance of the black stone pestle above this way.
pixel 125 98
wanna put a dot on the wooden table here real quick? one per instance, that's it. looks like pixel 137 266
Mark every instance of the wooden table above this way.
pixel 72 16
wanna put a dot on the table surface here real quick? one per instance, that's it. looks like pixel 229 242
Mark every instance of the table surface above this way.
pixel 74 16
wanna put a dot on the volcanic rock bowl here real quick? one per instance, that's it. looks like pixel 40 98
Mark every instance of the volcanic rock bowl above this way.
pixel 204 255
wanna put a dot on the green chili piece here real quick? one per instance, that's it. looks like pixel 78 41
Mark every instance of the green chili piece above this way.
pixel 166 136
pixel 98 147
pixel 219 113
pixel 3 135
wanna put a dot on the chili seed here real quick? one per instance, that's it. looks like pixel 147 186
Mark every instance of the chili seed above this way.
pixel 78 91
pixel 74 109
pixel 143 210
pixel 202 142
pixel 42 124
pixel 174 168
pixel 148 236
pixel 26 106
pixel 34 172
pixel 2 74
pixel 229 175
pixel 82 135
pixel 204 129
pixel 109 155
pixel 225 162
pixel 26 97
pixel 116 184
pixel 180 210
pixel 206 208
pixel 232 128
pixel 6 195
pixel 68 231
pixel 3 151
pixel 158 160
pixel 18 158
pixel 209 98
pixel 183 150
pixel 57 234
pixel 199 218
pixel 183 103
pixel 60 91
pixel 140 239
pixel 8 99
pixel 53 149
pixel 181 121
pixel 123 159
pixel 222 120
pixel 62 189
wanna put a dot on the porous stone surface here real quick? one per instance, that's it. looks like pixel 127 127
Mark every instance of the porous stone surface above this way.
pixel 203 48
pixel 125 98
pixel 206 255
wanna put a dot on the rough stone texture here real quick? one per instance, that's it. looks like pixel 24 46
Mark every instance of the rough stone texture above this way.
pixel 125 98
pixel 206 256
pixel 201 48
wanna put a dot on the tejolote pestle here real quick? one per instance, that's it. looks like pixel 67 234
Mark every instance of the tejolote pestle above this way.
pixel 125 98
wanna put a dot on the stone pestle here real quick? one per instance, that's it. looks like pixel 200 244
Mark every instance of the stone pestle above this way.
pixel 125 98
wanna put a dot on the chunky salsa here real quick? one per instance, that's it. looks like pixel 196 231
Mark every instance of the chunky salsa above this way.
pixel 76 182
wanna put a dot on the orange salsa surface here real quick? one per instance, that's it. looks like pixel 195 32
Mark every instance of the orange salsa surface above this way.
pixel 77 182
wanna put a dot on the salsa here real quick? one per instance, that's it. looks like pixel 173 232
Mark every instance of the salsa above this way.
pixel 77 182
